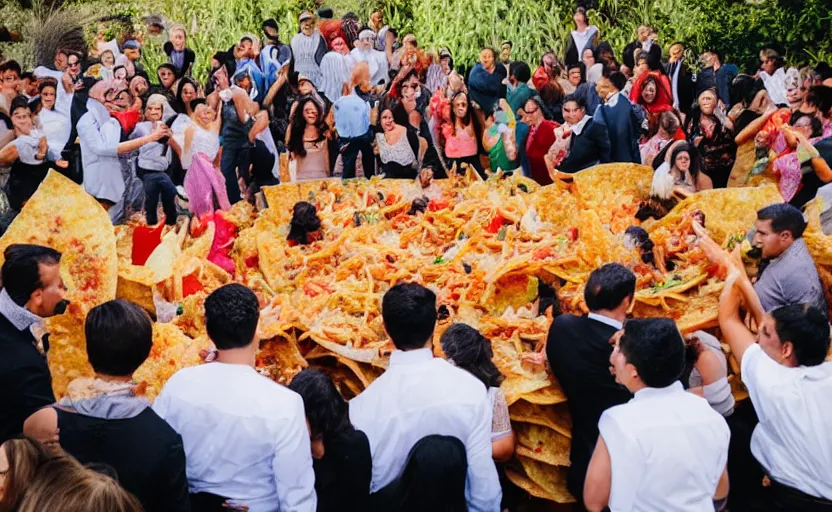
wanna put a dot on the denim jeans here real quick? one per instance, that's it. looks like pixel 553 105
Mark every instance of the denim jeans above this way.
pixel 156 184
pixel 350 146
pixel 235 162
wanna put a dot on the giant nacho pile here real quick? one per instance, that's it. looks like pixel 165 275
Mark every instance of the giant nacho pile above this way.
pixel 482 246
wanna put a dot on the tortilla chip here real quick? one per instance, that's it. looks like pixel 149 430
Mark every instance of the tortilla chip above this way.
pixel 549 395
pixel 522 481
pixel 281 199
pixel 728 211
pixel 555 417
pixel 171 352
pixel 552 479
pixel 135 283
pixel 542 443
pixel 280 359
pixel 596 184
pixel 63 216
pixel 699 312
pixel 67 356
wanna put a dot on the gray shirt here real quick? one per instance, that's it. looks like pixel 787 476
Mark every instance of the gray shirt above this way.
pixel 791 278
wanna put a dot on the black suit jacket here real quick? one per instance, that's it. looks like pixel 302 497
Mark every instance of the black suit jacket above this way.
pixel 685 86
pixel 592 146
pixel 24 379
pixel 629 58
pixel 578 350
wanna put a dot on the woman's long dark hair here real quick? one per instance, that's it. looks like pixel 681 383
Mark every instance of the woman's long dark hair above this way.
pixel 690 149
pixel 298 125
pixel 179 105
pixel 434 476
pixel 744 89
pixel 326 410
pixel 472 352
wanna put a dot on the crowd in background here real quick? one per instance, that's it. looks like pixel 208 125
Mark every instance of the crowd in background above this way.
pixel 659 432
pixel 346 99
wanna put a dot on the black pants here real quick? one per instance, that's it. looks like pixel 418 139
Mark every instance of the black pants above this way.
pixel 350 146
pixel 158 184
pixel 235 162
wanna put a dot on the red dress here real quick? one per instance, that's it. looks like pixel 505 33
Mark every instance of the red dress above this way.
pixel 538 143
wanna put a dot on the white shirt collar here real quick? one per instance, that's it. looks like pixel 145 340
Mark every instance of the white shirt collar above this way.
pixel 19 316
pixel 408 357
pixel 606 320
pixel 646 393
pixel 578 128
pixel 612 99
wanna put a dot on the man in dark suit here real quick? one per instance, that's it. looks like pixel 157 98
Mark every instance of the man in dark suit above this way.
pixel 589 143
pixel 32 290
pixel 579 352
pixel 645 42
pixel 680 78
pixel 620 118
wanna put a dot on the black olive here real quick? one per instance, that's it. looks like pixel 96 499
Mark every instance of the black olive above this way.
pixel 443 313
pixel 467 268
pixel 381 197
pixel 356 219
pixel 523 187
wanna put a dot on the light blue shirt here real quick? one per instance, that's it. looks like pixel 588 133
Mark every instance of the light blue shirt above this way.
pixel 352 116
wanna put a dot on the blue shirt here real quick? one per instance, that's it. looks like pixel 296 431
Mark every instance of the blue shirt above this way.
pixel 352 116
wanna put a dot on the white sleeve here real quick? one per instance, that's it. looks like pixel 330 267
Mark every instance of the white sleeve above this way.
pixel 482 488
pixel 759 372
pixel 626 461
pixel 292 464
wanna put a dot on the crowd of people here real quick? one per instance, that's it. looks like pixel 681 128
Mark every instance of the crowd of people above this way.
pixel 655 424
pixel 346 99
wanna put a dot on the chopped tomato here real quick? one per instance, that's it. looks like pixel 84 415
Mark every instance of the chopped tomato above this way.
pixel 541 254
pixel 572 234
pixel 253 261
pixel 190 285
pixel 198 227
pixel 495 224
pixel 438 204
pixel 391 200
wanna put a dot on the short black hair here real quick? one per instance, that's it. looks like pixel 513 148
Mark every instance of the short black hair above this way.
pixel 21 270
pixel 19 101
pixel 472 352
pixel 520 70
pixel 12 65
pixel 434 476
pixel 783 217
pixel 821 97
pixel 814 123
pixel 744 89
pixel 119 337
pixel 618 80
pixel 197 102
pixel 326 410
pixel 608 286
pixel 247 38
pixel 304 221
pixel 806 328
pixel 409 313
pixel 656 348
pixel 576 98
pixel 28 75
pixel 47 82
pixel 231 316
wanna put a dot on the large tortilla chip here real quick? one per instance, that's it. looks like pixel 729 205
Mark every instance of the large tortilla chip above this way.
pixel 63 216
pixel 542 444
pixel 135 283
pixel 596 184
pixel 171 352
pixel 280 359
pixel 728 211
pixel 281 199
pixel 555 417
pixel 550 395
pixel 67 356
pixel 519 479
pixel 700 311
pixel 552 479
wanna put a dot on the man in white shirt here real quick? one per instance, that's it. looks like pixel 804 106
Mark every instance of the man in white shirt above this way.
pixel 245 436
pixel 790 386
pixel 420 395
pixel 666 449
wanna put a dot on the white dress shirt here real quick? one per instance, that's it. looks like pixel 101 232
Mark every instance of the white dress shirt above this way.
pixel 612 322
pixel 245 437
pixel 668 450
pixel 418 396
pixel 378 64
pixel 63 99
pixel 794 405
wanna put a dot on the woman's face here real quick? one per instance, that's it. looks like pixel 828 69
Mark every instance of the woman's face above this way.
pixel 572 112
pixel 120 74
pixel 804 126
pixel 707 102
pixel 153 113
pixel 177 37
pixel 166 78
pixel 460 106
pixel 445 62
pixel 205 114
pixel 532 113
pixel 107 59
pixel 138 86
pixel 575 76
pixel 340 46
pixel 683 161
pixel 640 68
pixel 409 88
pixel 648 93
pixel 22 120
pixel 305 87
pixel 188 93
pixel 588 58
pixel 307 27
pixel 310 113
pixel 221 79
pixel 487 58
pixel 580 19
pixel 387 123
pixel 47 98
pixel 376 18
